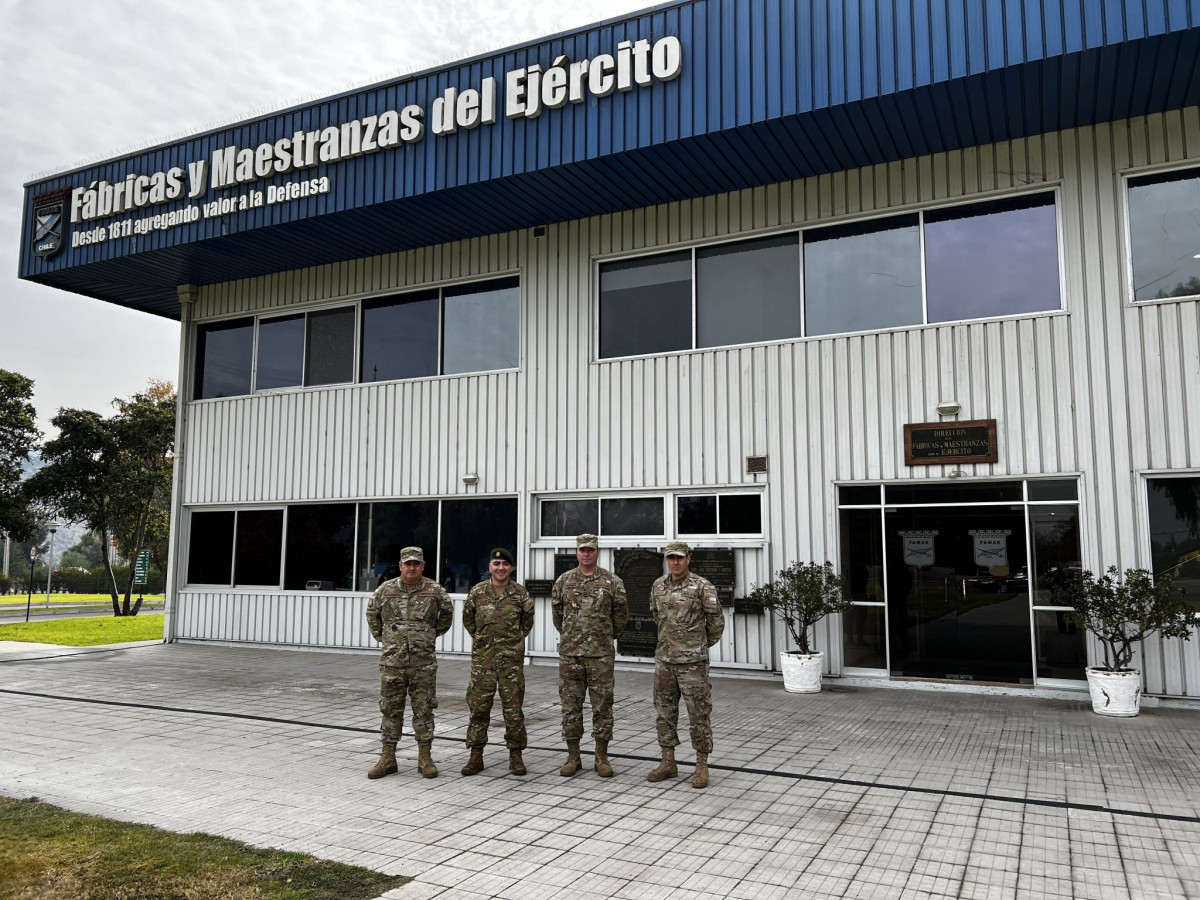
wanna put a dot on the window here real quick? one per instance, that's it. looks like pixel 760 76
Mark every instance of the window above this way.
pixel 567 518
pixel 481 329
pixel 607 516
pixel 746 292
pixel 1174 508
pixel 239 547
pixel 280 361
pixel 466 328
pixel 399 337
pixel 958 263
pixel 863 276
pixel 646 305
pixel 320 547
pixel 384 529
pixel 1164 235
pixel 223 354
pixel 719 514
pixel 210 548
pixel 470 529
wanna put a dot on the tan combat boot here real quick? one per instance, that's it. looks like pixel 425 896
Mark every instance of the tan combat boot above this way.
pixel 387 762
pixel 603 767
pixel 475 764
pixel 425 760
pixel 700 778
pixel 516 765
pixel 666 769
pixel 573 763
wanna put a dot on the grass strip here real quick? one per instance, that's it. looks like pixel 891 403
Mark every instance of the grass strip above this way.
pixel 49 853
pixel 88 631
pixel 69 599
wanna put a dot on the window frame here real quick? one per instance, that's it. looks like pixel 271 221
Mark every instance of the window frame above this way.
pixel 719 535
pixel 356 304
pixel 1126 176
pixel 1052 188
pixel 232 584
pixel 1142 499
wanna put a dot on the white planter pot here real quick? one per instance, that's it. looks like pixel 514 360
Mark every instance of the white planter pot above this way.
pixel 802 672
pixel 1115 693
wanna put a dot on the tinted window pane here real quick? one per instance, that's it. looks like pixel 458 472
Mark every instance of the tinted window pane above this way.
pixel 210 548
pixel 1061 651
pixel 482 327
pixel 223 356
pixel 1054 534
pixel 853 495
pixel 1175 532
pixel 561 518
pixel 697 515
pixel 862 569
pixel 631 516
pixel 280 353
pixel 749 291
pixel 995 491
pixel 992 259
pixel 330 346
pixel 386 528
pixel 741 514
pixel 1164 235
pixel 470 529
pixel 862 277
pixel 400 337
pixel 1065 489
pixel 259 547
pixel 646 305
pixel 320 547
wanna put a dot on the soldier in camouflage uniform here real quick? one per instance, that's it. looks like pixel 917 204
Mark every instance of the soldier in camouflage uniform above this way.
pixel 689 619
pixel 590 610
pixel 498 615
pixel 406 615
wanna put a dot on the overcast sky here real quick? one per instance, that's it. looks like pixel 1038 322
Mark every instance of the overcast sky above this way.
pixel 87 79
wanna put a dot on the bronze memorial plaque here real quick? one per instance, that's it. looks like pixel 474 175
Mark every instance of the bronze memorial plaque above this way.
pixel 539 587
pixel 718 567
pixel 936 443
pixel 638 568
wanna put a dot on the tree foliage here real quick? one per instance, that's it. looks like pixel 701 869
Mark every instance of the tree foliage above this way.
pixel 18 439
pixel 802 595
pixel 113 474
pixel 1121 612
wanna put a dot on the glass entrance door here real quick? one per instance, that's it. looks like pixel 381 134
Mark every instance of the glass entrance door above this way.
pixel 958 593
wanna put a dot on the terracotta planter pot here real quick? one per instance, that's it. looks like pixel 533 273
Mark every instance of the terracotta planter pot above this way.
pixel 802 672
pixel 1115 693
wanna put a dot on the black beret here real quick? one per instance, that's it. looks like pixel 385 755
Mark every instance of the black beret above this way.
pixel 501 553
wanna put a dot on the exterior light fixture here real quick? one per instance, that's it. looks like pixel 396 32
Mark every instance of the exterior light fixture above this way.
pixel 948 407
pixel 470 478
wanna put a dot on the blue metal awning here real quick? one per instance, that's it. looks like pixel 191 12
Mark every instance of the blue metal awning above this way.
pixel 769 91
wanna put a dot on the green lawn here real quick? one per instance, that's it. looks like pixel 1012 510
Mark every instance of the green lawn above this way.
pixel 69 599
pixel 86 632
pixel 52 854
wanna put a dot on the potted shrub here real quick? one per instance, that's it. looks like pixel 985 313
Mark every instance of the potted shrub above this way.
pixel 1121 612
pixel 802 595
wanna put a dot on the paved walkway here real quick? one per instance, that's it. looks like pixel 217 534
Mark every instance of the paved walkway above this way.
pixel 855 792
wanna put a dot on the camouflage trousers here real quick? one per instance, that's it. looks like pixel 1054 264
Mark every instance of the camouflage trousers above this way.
pixel 593 674
pixel 671 680
pixel 419 683
pixel 504 672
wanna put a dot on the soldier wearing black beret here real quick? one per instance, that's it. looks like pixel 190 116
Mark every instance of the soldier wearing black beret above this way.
pixel 498 615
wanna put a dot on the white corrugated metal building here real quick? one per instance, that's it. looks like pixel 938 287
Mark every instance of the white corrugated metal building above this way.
pixel 702 306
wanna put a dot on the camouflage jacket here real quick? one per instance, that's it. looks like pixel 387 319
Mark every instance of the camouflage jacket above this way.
pixel 688 617
pixel 407 621
pixel 497 621
pixel 589 612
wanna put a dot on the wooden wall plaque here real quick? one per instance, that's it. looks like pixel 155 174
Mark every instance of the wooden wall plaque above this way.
pixel 941 443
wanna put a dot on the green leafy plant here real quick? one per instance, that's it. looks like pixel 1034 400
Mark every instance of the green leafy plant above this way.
pixel 802 595
pixel 1122 611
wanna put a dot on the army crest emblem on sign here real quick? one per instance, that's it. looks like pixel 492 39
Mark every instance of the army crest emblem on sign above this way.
pixel 49 224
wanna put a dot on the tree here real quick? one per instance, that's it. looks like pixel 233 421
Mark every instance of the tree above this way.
pixel 88 551
pixel 802 594
pixel 113 474
pixel 18 440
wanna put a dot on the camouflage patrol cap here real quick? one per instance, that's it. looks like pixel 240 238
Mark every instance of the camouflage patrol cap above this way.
pixel 677 548
pixel 412 554
pixel 587 540
pixel 501 553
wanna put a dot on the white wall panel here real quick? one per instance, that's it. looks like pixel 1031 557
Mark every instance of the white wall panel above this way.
pixel 1104 388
